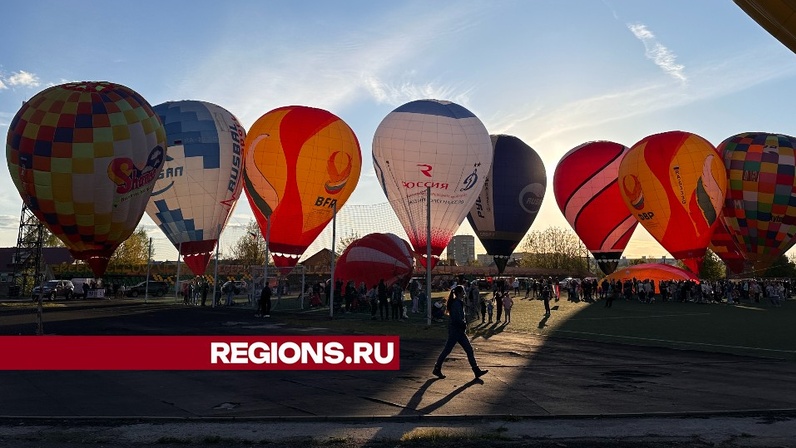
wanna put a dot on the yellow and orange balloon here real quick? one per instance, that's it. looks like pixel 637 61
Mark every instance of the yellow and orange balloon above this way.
pixel 674 183
pixel 84 157
pixel 301 164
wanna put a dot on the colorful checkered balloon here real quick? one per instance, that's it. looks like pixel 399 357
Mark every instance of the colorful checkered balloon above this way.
pixel 760 207
pixel 84 157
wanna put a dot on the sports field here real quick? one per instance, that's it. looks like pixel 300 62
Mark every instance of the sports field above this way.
pixel 757 329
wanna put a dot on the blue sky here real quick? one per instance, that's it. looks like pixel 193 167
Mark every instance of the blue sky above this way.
pixel 553 73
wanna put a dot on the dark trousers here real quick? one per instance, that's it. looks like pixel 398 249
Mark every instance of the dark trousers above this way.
pixel 499 308
pixel 457 337
pixel 547 305
pixel 265 306
pixel 384 311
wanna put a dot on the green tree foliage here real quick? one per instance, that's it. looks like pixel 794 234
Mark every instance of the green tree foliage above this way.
pixel 249 250
pixel 555 248
pixel 712 267
pixel 783 267
pixel 133 251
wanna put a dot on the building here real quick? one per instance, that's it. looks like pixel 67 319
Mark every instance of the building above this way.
pixel 461 249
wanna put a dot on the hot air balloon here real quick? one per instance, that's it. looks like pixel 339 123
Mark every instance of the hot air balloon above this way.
pixel 653 271
pixel 510 200
pixel 201 179
pixel 760 209
pixel 674 183
pixel 374 257
pixel 724 246
pixel 84 157
pixel 302 164
pixel 587 192
pixel 775 16
pixel 436 145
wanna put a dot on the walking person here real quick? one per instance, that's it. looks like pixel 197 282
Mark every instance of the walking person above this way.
pixel 457 326
pixel 265 301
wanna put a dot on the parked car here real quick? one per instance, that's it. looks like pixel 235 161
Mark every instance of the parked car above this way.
pixel 157 289
pixel 238 287
pixel 567 281
pixel 54 288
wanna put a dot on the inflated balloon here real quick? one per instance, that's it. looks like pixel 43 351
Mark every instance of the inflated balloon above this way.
pixel 374 257
pixel 510 200
pixel 760 209
pixel 302 163
pixel 724 246
pixel 674 183
pixel 652 271
pixel 776 17
pixel 587 191
pixel 436 145
pixel 84 157
pixel 201 180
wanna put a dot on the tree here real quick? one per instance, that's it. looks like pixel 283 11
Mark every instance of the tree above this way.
pixel 133 251
pixel 783 267
pixel 712 268
pixel 249 250
pixel 344 242
pixel 555 248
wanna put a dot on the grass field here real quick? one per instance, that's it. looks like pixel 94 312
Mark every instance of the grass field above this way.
pixel 748 329
pixel 757 329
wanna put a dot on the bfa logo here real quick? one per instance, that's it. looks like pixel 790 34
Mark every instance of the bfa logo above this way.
pixel 471 179
pixel 425 169
pixel 337 177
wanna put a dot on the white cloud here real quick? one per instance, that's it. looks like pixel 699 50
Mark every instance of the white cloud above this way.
pixel 657 52
pixel 403 92
pixel 23 78
pixel 379 64
pixel 2 85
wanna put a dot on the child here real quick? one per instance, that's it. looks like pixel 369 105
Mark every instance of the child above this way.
pixel 489 306
pixel 508 302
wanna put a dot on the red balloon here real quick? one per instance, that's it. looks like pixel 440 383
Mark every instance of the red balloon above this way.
pixel 587 192
pixel 375 257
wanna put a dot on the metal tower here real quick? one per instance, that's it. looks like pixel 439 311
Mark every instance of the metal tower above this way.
pixel 28 256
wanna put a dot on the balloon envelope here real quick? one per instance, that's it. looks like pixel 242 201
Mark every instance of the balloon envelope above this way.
pixel 760 209
pixel 84 156
pixel 375 257
pixel 674 183
pixel 775 16
pixel 510 199
pixel 201 179
pixel 587 191
pixel 436 145
pixel 724 246
pixel 302 164
pixel 652 271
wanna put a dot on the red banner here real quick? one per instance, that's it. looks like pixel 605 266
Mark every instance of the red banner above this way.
pixel 199 353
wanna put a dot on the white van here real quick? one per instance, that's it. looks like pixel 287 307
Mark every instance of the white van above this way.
pixel 79 282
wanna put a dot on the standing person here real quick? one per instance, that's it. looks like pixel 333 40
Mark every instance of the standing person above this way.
pixel 265 301
pixel 382 293
pixel 508 302
pixel 499 305
pixel 457 326
pixel 546 297
pixel 204 292
pixel 397 296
